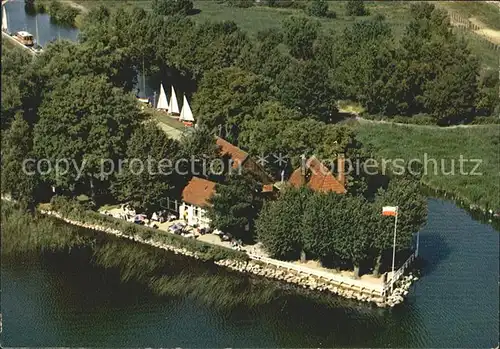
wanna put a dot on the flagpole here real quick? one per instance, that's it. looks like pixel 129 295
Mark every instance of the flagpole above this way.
pixel 394 247
pixel 418 241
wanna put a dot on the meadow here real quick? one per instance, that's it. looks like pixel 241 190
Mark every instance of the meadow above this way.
pixel 256 18
pixel 396 13
pixel 446 145
pixel 486 13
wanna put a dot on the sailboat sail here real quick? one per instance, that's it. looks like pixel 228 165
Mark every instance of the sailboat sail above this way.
pixel 186 113
pixel 5 25
pixel 162 100
pixel 173 106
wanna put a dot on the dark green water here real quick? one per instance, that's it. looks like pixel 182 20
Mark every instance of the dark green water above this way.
pixel 18 20
pixel 63 300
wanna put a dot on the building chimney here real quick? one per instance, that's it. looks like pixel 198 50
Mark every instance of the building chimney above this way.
pixel 341 170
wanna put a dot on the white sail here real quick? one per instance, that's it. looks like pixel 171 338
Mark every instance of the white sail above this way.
pixel 173 107
pixel 162 100
pixel 186 113
pixel 5 25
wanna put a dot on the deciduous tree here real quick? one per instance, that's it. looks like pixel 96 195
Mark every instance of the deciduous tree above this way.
pixel 235 206
pixel 303 85
pixel 355 8
pixel 300 33
pixel 148 176
pixel 19 178
pixel 279 226
pixel 172 7
pixel 226 96
pixel 89 122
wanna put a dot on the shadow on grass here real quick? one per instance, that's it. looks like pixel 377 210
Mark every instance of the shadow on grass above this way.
pixel 194 11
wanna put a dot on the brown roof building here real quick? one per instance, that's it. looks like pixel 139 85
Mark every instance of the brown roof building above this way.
pixel 318 177
pixel 198 191
pixel 237 155
pixel 240 158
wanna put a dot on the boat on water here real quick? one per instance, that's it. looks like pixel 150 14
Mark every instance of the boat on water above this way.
pixel 24 38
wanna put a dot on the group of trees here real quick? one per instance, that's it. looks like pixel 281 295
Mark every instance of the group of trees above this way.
pixel 341 230
pixel 236 205
pixel 428 71
pixel 74 102
pixel 60 12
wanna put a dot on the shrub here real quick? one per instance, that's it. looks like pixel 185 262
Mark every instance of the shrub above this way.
pixel 172 7
pixel 356 8
pixel 319 8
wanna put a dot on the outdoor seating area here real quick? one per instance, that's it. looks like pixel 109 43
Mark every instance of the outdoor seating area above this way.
pixel 169 222
pixel 126 212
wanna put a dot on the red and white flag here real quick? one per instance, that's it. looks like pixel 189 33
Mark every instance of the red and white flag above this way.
pixel 390 211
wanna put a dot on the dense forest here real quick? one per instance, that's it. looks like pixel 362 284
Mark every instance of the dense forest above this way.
pixel 277 93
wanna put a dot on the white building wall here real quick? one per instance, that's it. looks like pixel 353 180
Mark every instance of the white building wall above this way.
pixel 194 215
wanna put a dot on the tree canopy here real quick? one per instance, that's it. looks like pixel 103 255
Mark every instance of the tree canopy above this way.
pixel 148 177
pixel 87 121
pixel 235 205
pixel 300 33
pixel 172 7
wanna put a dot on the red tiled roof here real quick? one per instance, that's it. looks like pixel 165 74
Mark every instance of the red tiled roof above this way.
pixel 318 177
pixel 198 191
pixel 236 154
pixel 266 188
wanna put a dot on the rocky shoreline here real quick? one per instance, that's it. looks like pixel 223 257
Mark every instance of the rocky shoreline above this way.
pixel 259 268
pixel 323 285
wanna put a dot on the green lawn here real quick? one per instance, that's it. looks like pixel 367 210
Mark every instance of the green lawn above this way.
pixel 479 142
pixel 481 48
pixel 164 118
pixel 488 14
pixel 258 18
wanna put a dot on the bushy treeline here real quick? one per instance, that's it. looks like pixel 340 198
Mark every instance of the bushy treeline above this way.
pixel 76 103
pixel 342 230
pixel 59 12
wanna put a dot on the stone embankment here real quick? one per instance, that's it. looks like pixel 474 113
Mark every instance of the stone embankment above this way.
pixel 312 282
pixel 381 298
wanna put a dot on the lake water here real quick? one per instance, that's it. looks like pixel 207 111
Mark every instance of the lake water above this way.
pixel 18 20
pixel 63 300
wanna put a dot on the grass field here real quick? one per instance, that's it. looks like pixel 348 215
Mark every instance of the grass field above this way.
pixel 446 146
pixel 258 18
pixel 481 49
pixel 164 118
pixel 486 13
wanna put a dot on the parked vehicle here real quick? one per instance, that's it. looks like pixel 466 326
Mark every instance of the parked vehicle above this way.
pixel 177 228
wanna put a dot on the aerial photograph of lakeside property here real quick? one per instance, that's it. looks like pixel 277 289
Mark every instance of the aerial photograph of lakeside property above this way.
pixel 250 174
